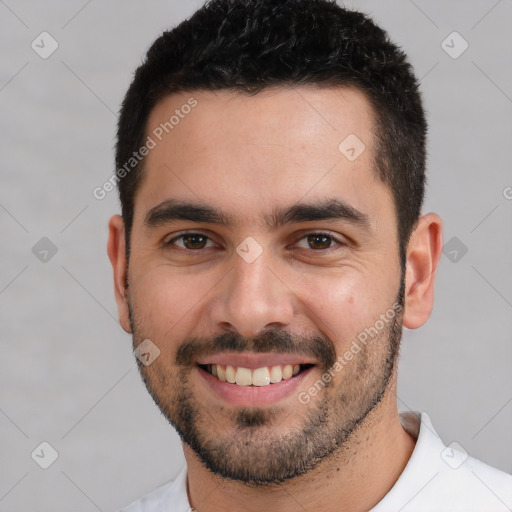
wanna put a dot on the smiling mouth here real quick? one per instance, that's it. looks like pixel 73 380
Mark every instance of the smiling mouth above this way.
pixel 259 377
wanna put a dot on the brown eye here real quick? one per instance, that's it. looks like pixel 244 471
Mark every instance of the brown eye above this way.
pixel 190 241
pixel 194 241
pixel 319 241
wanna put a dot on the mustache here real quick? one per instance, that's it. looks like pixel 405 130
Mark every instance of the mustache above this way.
pixel 319 347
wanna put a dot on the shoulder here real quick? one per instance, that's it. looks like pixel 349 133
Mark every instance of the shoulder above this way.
pixel 170 496
pixel 472 487
pixel 477 485
pixel 445 478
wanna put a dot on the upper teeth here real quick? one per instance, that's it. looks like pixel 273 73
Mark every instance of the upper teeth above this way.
pixel 257 377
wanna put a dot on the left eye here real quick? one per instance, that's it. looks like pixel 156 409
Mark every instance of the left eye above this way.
pixel 319 241
pixel 198 241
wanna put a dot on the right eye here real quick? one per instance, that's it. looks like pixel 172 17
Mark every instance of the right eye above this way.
pixel 191 242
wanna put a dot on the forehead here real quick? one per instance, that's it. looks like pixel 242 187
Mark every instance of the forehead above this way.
pixel 252 152
pixel 302 117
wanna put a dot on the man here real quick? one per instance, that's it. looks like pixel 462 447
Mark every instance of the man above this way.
pixel 271 170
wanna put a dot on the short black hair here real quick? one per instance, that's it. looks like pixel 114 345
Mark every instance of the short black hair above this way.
pixel 246 46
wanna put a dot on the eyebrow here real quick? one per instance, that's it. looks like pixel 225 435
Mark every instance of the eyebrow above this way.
pixel 172 210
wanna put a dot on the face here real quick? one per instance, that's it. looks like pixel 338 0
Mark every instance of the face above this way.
pixel 262 254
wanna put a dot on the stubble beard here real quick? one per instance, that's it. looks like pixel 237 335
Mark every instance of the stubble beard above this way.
pixel 258 449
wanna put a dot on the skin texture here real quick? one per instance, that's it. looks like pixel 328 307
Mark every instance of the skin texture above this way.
pixel 250 156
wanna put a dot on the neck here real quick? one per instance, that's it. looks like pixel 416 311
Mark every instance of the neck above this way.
pixel 355 478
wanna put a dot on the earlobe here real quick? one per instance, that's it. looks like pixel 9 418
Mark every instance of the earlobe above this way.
pixel 423 255
pixel 117 255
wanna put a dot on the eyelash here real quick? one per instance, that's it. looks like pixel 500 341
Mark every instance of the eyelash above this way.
pixel 335 239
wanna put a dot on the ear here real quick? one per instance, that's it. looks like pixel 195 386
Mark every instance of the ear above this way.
pixel 117 255
pixel 423 254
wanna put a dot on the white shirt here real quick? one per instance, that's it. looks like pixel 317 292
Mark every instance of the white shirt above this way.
pixel 436 478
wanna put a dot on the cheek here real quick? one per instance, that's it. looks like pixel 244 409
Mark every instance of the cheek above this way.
pixel 345 305
pixel 167 302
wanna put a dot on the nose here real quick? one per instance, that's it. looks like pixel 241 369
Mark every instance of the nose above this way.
pixel 252 298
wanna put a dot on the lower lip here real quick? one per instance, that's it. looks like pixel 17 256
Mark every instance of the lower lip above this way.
pixel 253 396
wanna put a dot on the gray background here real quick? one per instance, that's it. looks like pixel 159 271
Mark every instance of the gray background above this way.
pixel 67 373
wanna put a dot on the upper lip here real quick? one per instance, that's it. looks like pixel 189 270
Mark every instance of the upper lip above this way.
pixel 253 360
